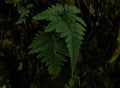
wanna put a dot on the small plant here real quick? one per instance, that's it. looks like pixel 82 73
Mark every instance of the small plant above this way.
pixel 23 10
pixel 61 38
pixel 24 13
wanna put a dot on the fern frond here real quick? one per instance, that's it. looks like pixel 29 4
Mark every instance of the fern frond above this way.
pixel 63 20
pixel 50 50
pixel 74 40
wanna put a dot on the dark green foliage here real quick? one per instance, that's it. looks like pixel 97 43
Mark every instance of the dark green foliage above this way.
pixel 63 20
pixel 51 50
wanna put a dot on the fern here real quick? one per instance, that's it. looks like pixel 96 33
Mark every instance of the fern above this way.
pixel 51 51
pixel 24 13
pixel 64 21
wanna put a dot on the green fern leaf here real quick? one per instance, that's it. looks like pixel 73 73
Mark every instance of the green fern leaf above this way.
pixel 63 20
pixel 73 40
pixel 50 50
